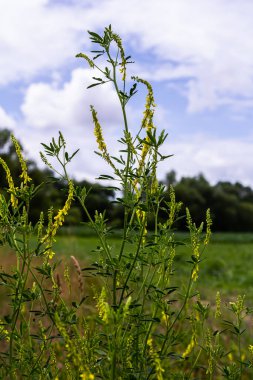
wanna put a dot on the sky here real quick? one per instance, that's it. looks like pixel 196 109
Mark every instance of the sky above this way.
pixel 198 55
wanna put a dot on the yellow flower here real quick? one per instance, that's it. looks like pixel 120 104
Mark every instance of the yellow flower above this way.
pixel 118 41
pixel 100 139
pixel 103 307
pixel 22 162
pixel 147 123
pixel 3 331
pixel 40 225
pixel 90 62
pixel 218 305
pixel 195 272
pixel 98 132
pixel 142 220
pixel 190 346
pixel 85 376
pixel 194 242
pixel 58 220
pixel 12 188
pixel 173 206
pixel 165 318
pixel 156 360
pixel 208 227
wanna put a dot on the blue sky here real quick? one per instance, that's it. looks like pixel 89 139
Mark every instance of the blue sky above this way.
pixel 198 55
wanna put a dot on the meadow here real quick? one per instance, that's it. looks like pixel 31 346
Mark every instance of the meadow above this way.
pixel 227 266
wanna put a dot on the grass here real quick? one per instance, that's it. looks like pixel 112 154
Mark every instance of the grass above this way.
pixel 227 266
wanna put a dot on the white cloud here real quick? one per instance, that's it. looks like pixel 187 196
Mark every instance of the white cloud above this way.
pixel 6 121
pixel 48 108
pixel 48 105
pixel 228 159
pixel 36 37
pixel 209 42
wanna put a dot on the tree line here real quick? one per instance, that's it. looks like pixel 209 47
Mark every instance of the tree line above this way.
pixel 231 204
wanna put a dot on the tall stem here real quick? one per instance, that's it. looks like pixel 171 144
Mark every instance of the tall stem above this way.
pixel 125 181
pixel 133 264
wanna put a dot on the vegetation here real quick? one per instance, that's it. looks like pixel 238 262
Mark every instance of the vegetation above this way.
pixel 231 204
pixel 129 314
pixel 49 189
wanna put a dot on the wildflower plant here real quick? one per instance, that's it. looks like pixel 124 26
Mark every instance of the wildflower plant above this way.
pixel 142 323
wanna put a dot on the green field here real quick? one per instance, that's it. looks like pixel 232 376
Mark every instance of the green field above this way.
pixel 227 264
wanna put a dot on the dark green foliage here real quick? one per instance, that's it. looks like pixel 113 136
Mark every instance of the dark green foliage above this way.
pixel 231 204
pixel 52 191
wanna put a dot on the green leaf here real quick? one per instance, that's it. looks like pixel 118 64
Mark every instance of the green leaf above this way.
pixel 162 157
pixel 132 90
pixel 54 143
pixel 46 146
pixel 105 176
pixel 94 84
pixel 107 73
pixel 95 37
pixel 70 158
pixel 97 56
pixel 81 55
pixel 99 79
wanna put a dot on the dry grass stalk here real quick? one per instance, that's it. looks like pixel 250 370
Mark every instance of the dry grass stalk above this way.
pixel 79 272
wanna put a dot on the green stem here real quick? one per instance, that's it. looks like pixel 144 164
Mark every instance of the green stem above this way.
pixel 18 295
pixel 194 364
pixel 125 182
pixel 239 345
pixel 40 354
pixel 133 263
pixel 114 358
pixel 103 243
pixel 179 313
pixel 36 280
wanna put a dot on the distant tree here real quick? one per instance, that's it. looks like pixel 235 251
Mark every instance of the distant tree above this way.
pixel 171 178
pixel 231 204
pixel 194 192
pixel 232 207
pixel 52 192
pixel 99 198
pixel 48 193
